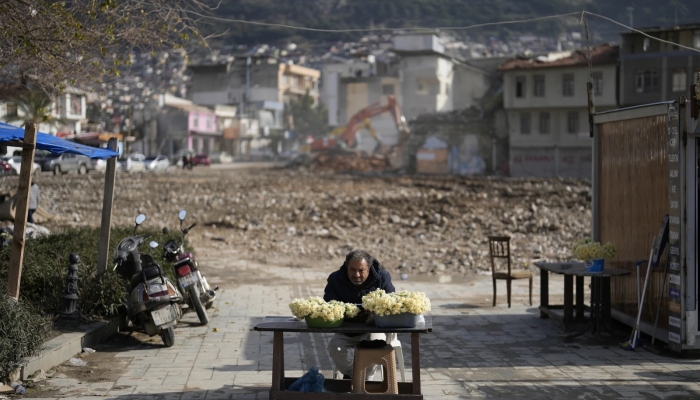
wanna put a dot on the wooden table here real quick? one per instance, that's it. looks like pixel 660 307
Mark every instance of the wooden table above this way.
pixel 337 388
pixel 570 270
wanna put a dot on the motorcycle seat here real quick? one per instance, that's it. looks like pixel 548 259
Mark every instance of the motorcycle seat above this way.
pixel 150 272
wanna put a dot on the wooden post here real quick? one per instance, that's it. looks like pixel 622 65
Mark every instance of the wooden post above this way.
pixel 415 362
pixel 278 361
pixel 18 235
pixel 106 224
pixel 589 85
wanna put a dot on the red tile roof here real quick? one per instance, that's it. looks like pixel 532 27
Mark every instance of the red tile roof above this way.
pixel 600 55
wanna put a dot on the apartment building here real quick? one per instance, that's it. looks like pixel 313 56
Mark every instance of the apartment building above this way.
pixel 653 71
pixel 546 103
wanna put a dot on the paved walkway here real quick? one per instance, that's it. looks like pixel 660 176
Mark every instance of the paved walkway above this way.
pixel 475 351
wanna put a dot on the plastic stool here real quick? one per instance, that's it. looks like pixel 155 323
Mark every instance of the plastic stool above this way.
pixel 393 340
pixel 366 357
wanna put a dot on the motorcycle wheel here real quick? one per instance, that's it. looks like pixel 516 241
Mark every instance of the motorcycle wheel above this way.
pixel 197 304
pixel 168 336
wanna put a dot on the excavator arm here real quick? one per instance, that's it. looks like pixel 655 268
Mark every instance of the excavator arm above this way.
pixel 357 122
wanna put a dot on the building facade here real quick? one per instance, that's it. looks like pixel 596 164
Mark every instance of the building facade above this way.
pixel 546 104
pixel 432 81
pixel 331 75
pixel 653 71
pixel 251 80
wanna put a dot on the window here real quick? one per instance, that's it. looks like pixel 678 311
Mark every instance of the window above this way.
pixel 525 123
pixel 572 122
pixel 387 89
pixel 539 85
pixel 679 80
pixel 647 81
pixel 544 122
pixel 195 120
pixel 598 83
pixel 696 75
pixel 645 46
pixel 519 86
pixel 76 105
pixel 696 40
pixel 568 85
pixel 421 88
pixel 11 110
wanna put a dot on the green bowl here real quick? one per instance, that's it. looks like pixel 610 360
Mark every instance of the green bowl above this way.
pixel 322 323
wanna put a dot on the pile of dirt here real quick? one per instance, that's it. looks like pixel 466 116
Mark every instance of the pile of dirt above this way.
pixel 351 162
pixel 414 224
pixel 341 161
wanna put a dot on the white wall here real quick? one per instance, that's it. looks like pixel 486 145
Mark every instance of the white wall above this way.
pixel 553 96
pixel 415 71
pixel 418 42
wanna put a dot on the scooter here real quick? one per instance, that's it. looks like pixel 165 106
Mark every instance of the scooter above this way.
pixel 153 299
pixel 196 291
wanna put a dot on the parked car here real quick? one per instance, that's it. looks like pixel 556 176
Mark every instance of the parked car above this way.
pixel 97 164
pixel 6 169
pixel 66 162
pixel 16 163
pixel 157 163
pixel 132 162
pixel 201 159
pixel 221 157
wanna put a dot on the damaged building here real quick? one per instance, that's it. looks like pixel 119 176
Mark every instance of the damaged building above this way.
pixel 546 103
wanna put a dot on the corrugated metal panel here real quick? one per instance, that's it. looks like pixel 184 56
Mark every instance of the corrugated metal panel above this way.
pixel 633 184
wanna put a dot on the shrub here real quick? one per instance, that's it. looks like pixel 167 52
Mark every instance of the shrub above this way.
pixel 23 330
pixel 46 262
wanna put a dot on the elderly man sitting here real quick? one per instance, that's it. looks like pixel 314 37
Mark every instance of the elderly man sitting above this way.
pixel 359 275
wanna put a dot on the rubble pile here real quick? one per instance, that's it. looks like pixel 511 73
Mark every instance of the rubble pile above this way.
pixel 353 162
pixel 416 225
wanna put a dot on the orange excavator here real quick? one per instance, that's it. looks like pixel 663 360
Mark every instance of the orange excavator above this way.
pixel 361 120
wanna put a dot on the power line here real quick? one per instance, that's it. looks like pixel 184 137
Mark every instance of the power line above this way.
pixel 444 28
pixel 304 28
pixel 640 32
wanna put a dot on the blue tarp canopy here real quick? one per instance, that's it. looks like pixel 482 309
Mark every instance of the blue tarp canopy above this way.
pixel 53 144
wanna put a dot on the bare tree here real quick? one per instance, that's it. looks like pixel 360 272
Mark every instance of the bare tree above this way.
pixel 54 44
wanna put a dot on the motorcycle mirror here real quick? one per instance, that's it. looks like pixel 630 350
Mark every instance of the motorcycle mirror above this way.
pixel 140 218
pixel 153 244
pixel 182 214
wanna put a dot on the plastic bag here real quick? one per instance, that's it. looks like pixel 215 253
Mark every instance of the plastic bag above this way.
pixel 311 381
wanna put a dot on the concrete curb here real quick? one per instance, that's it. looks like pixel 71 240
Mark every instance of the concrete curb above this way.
pixel 61 348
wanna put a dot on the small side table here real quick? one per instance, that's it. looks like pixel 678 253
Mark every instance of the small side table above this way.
pixel 600 301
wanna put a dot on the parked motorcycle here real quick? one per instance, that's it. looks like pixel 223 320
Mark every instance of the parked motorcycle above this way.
pixel 153 299
pixel 197 293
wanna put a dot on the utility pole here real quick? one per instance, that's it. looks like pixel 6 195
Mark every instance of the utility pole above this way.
pixel 630 10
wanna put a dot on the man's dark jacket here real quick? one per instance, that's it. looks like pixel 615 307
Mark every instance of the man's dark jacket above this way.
pixel 340 288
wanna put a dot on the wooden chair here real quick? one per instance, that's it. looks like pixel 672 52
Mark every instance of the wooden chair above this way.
pixel 499 247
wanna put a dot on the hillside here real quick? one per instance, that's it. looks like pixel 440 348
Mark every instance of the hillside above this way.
pixel 346 14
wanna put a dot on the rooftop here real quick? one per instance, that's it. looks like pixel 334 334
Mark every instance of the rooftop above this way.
pixel 600 55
